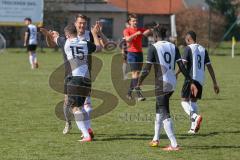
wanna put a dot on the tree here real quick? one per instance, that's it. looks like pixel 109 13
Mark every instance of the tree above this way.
pixel 228 9
pixel 198 20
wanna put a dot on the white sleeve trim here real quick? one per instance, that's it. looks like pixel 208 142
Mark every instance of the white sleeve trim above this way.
pixel 179 59
pixel 208 63
pixel 149 62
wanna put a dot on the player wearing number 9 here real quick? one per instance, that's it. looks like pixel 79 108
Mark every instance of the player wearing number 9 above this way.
pixel 196 58
pixel 164 55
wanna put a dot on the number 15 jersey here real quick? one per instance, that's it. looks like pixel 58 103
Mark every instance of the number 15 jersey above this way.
pixel 196 57
pixel 77 53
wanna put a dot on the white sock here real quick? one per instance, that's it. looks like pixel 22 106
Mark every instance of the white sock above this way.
pixel 186 106
pixel 168 127
pixel 34 57
pixel 194 116
pixel 88 108
pixel 87 119
pixel 79 117
pixel 158 126
pixel 30 60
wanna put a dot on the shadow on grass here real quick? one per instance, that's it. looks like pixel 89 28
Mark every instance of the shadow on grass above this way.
pixel 210 134
pixel 213 147
pixel 209 99
pixel 123 137
pixel 225 54
pixel 119 137
pixel 148 137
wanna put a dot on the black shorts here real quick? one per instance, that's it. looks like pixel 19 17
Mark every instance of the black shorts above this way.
pixel 135 60
pixel 162 105
pixel 186 90
pixel 32 47
pixel 77 89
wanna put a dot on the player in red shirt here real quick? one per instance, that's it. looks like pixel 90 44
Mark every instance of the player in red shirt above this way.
pixel 133 37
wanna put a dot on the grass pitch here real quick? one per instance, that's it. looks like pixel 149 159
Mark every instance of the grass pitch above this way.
pixel 30 130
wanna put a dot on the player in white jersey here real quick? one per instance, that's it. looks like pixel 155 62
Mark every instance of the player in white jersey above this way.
pixel 30 41
pixel 164 55
pixel 195 58
pixel 83 34
pixel 78 83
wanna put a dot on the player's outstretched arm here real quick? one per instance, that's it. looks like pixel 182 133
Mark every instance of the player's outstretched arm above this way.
pixel 129 38
pixel 150 30
pixel 147 32
pixel 49 37
pixel 212 74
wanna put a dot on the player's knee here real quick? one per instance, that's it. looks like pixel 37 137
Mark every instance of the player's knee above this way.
pixel 80 115
pixel 194 100
pixel 184 103
pixel 185 99
pixel 158 118
pixel 166 116
pixel 163 112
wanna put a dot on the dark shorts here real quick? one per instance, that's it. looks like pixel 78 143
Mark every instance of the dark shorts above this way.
pixel 77 89
pixel 135 60
pixel 162 105
pixel 32 47
pixel 186 90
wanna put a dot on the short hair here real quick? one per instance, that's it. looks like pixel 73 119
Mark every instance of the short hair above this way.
pixel 71 29
pixel 81 16
pixel 159 32
pixel 28 19
pixel 131 16
pixel 192 34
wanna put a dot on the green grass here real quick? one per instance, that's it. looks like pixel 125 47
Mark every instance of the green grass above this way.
pixel 30 130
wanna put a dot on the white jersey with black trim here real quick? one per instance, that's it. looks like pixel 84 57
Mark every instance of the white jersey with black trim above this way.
pixel 32 34
pixel 198 62
pixel 76 52
pixel 167 57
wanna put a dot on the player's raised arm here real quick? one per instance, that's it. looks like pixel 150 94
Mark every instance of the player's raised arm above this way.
pixel 95 31
pixel 103 38
pixel 49 37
